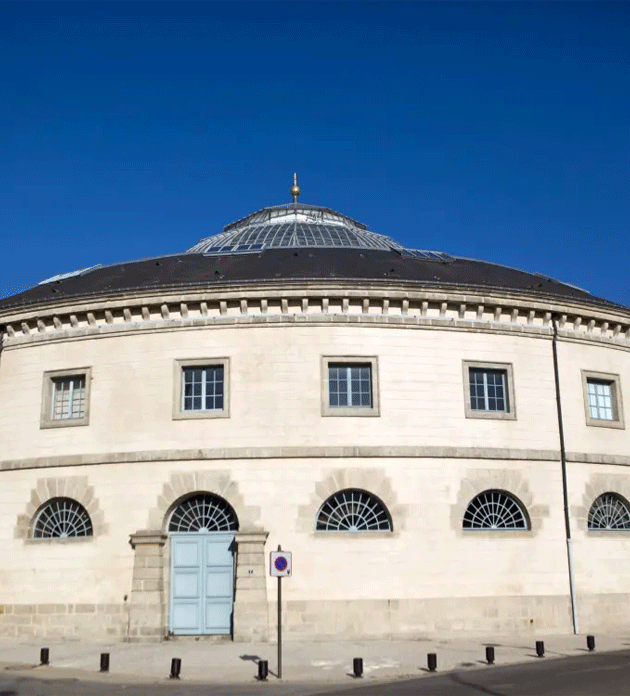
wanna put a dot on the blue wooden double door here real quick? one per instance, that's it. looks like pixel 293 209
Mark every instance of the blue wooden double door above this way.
pixel 202 583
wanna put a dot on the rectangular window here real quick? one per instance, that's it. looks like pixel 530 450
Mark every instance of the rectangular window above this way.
pixel 349 386
pixel 66 398
pixel 488 390
pixel 201 388
pixel 602 399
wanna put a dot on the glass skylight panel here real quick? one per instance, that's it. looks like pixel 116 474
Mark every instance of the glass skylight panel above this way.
pixel 429 255
pixel 71 274
pixel 291 225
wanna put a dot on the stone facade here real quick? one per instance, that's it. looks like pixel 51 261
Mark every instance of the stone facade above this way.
pixel 278 456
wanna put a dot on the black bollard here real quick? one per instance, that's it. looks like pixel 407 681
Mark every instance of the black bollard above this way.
pixel 432 662
pixel 357 666
pixel 540 648
pixel 176 668
pixel 590 642
pixel 490 655
pixel 104 662
pixel 44 656
pixel 263 670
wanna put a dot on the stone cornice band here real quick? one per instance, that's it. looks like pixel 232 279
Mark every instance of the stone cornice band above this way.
pixel 316 304
pixel 245 453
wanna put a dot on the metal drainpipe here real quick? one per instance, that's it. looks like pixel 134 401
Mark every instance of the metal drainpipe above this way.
pixel 563 460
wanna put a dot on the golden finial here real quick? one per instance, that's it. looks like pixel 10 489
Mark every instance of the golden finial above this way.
pixel 295 189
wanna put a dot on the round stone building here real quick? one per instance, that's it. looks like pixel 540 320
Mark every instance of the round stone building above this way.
pixel 439 441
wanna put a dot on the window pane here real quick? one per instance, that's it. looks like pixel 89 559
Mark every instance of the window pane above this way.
pixel 494 510
pixel 353 510
pixel 349 385
pixel 68 397
pixel 609 511
pixel 488 390
pixel 62 518
pixel 600 400
pixel 202 388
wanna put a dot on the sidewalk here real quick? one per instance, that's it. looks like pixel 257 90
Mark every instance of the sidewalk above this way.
pixel 321 662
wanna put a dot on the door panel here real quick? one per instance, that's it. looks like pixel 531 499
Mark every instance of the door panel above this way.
pixel 186 552
pixel 219 583
pixel 202 583
pixel 186 584
pixel 215 616
pixel 185 618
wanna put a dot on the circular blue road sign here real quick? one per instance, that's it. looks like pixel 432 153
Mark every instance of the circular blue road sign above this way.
pixel 280 564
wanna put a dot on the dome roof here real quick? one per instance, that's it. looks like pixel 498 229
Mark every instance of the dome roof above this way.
pixel 293 225
pixel 295 243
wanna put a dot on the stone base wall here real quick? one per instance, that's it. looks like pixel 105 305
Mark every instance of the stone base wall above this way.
pixel 422 618
pixel 604 613
pixel 94 621
pixel 351 619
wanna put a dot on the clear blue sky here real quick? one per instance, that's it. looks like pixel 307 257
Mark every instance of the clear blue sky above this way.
pixel 498 131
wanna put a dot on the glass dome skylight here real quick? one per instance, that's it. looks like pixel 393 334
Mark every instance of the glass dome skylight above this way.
pixel 300 225
pixel 293 225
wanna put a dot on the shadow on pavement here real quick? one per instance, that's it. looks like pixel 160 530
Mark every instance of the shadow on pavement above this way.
pixel 482 689
pixel 251 658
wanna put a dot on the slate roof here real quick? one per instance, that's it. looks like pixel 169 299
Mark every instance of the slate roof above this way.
pixel 188 270
pixel 291 243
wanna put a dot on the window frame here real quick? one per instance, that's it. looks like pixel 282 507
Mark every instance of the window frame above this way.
pixel 178 386
pixel 361 532
pixel 467 365
pixel 350 361
pixel 59 539
pixel 498 530
pixel 614 381
pixel 604 531
pixel 46 420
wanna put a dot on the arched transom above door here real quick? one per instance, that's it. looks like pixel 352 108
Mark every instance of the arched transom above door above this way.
pixel 184 486
pixel 203 512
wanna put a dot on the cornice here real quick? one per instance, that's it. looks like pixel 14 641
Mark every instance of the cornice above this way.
pixel 311 452
pixel 318 303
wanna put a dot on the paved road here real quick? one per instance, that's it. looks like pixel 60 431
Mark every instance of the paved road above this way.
pixel 606 674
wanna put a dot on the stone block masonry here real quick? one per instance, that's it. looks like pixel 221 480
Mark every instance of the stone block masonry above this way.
pixel 28 621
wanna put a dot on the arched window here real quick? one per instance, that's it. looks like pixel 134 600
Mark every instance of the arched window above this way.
pixel 494 510
pixel 609 511
pixel 203 512
pixel 61 518
pixel 353 510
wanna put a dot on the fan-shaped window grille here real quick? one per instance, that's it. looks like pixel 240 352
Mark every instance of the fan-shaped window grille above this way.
pixel 62 518
pixel 494 510
pixel 203 512
pixel 609 511
pixel 353 510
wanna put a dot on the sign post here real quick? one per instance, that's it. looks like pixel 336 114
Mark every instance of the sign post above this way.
pixel 280 566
